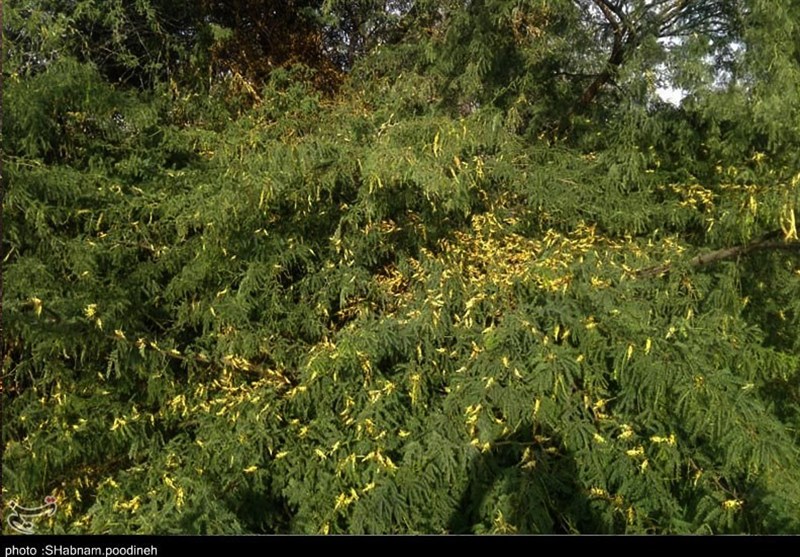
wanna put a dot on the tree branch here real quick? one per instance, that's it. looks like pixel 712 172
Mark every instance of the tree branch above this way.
pixel 612 65
pixel 624 39
pixel 606 6
pixel 614 17
pixel 770 241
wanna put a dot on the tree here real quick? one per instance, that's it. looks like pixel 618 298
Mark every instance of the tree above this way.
pixel 463 290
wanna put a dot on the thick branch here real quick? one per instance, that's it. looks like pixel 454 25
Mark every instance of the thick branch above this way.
pixel 629 28
pixel 770 241
pixel 613 16
pixel 612 65
pixel 624 39
pixel 606 6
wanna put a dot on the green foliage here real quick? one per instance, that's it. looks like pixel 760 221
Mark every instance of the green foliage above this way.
pixel 252 307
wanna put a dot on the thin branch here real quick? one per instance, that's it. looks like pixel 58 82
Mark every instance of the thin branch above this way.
pixel 770 241
pixel 672 13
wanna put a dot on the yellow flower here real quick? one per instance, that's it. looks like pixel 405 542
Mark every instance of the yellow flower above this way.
pixel 638 451
pixel 732 504
pixel 598 492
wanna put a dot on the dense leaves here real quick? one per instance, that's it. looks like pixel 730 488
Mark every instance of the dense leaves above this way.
pixel 435 267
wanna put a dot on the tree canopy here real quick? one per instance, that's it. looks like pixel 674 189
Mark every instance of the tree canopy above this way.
pixel 396 266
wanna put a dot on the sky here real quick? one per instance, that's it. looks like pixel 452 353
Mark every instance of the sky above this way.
pixel 671 95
